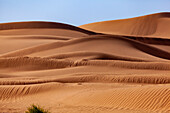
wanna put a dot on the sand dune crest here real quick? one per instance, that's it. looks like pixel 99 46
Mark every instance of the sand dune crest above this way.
pixel 119 66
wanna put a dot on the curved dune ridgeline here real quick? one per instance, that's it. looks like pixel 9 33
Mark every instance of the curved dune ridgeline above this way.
pixel 43 63
pixel 152 25
pixel 108 38
pixel 119 66
pixel 39 24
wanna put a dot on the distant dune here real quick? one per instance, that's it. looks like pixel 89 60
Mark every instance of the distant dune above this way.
pixel 156 25
pixel 119 66
pixel 41 25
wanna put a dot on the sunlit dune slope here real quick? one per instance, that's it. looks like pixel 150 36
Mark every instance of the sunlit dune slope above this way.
pixel 157 25
pixel 120 66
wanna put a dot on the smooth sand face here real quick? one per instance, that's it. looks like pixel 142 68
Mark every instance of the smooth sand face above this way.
pixel 154 25
pixel 70 70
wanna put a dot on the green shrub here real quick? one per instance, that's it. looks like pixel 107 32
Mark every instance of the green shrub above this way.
pixel 36 109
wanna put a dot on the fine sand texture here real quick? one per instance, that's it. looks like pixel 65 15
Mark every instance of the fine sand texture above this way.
pixel 119 66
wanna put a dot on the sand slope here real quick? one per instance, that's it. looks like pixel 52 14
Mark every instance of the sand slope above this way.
pixel 67 69
pixel 156 25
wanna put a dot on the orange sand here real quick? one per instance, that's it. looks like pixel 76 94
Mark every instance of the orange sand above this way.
pixel 120 66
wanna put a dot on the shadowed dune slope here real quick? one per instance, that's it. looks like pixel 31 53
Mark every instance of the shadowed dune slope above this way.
pixel 67 69
pixel 38 28
pixel 39 24
pixel 114 43
pixel 150 25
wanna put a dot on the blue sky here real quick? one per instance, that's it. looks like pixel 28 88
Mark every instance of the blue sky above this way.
pixel 78 12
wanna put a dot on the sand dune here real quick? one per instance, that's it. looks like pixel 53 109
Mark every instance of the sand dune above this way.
pixel 94 40
pixel 42 63
pixel 136 96
pixel 39 24
pixel 150 25
pixel 119 66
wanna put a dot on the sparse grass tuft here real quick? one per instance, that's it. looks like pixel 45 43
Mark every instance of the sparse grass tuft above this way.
pixel 36 109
